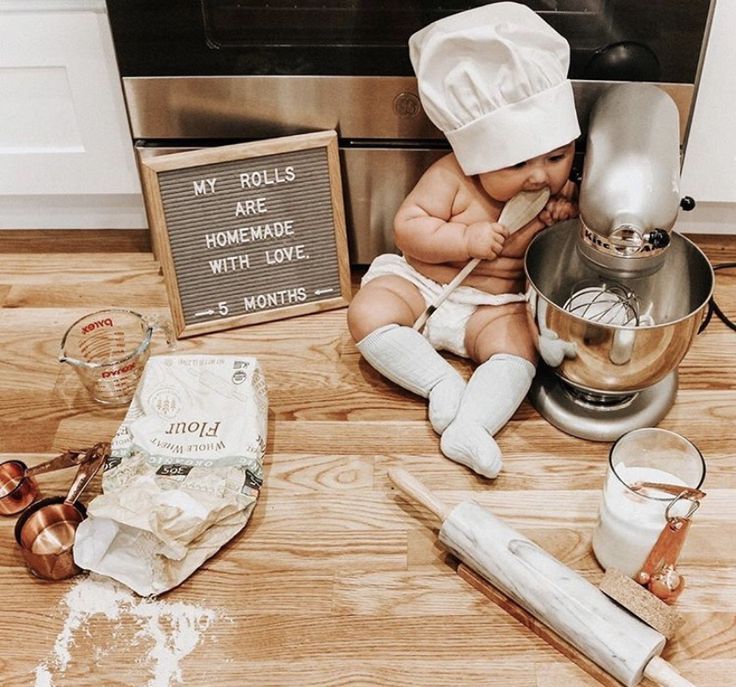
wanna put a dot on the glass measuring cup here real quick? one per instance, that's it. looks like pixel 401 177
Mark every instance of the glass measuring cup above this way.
pixel 18 488
pixel 45 532
pixel 109 349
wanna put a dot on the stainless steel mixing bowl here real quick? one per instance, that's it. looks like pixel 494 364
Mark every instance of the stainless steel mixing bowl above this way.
pixel 609 359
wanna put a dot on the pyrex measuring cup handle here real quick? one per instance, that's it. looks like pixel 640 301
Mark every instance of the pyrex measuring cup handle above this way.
pixel 91 463
pixel 160 323
pixel 67 459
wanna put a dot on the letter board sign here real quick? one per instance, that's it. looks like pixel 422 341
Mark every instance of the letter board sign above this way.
pixel 250 232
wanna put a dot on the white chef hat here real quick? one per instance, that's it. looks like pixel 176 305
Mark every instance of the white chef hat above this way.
pixel 494 80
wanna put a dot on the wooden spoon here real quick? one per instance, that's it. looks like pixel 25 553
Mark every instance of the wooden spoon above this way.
pixel 520 210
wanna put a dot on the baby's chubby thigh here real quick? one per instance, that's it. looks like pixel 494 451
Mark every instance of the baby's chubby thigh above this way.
pixel 494 329
pixel 388 299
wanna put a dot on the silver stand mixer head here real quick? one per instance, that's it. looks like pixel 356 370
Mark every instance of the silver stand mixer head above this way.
pixel 630 193
pixel 615 298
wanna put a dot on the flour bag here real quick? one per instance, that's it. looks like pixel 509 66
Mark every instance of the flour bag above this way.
pixel 185 471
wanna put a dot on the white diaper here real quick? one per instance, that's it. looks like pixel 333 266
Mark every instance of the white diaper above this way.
pixel 445 330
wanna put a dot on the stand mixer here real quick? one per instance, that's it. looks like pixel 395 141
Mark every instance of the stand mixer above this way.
pixel 616 297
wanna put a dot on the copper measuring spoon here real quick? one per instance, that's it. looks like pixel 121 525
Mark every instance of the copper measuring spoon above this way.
pixel 45 532
pixel 18 489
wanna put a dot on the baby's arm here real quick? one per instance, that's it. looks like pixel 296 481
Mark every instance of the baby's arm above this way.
pixel 424 228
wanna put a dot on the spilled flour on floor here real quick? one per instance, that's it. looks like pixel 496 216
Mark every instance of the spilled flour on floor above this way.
pixel 174 629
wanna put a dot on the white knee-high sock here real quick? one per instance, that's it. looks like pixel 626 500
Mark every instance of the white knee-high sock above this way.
pixel 491 397
pixel 405 357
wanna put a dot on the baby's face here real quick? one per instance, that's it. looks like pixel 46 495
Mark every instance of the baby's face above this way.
pixel 551 169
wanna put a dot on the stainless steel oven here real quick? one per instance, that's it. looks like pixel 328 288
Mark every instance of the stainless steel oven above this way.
pixel 210 72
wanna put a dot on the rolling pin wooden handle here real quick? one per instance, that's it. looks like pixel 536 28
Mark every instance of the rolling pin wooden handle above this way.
pixel 661 672
pixel 413 488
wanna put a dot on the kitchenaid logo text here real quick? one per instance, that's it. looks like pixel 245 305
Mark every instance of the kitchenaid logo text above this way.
pixel 616 248
pixel 107 322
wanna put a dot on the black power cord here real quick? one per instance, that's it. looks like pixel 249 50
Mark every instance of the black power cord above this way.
pixel 713 306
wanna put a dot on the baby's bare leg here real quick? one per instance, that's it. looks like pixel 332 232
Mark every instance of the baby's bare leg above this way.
pixel 500 329
pixel 384 300
pixel 498 338
pixel 380 319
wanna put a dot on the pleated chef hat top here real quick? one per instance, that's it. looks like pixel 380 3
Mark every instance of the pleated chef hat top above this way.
pixel 494 80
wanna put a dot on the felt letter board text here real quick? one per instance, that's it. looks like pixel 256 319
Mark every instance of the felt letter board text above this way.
pixel 250 232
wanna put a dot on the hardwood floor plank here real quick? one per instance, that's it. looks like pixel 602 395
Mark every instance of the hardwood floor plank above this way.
pixel 128 293
pixel 338 579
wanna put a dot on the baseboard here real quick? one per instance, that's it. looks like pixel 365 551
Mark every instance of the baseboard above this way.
pixel 121 211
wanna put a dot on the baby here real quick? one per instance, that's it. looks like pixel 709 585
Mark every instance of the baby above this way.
pixel 493 79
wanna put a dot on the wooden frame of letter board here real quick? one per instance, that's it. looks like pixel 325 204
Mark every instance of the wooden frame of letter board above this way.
pixel 150 170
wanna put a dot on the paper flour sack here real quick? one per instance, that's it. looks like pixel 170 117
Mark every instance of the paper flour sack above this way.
pixel 185 472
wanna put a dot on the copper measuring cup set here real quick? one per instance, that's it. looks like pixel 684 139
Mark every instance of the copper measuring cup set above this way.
pixel 46 529
pixel 108 349
pixel 19 489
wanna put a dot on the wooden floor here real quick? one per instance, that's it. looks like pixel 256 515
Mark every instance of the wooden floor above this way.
pixel 337 579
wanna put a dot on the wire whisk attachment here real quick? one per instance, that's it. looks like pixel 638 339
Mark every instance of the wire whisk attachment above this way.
pixel 610 303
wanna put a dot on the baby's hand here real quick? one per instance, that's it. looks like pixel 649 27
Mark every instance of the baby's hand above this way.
pixel 485 239
pixel 558 209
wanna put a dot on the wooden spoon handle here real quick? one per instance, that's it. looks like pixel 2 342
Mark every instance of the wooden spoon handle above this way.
pixel 432 307
pixel 520 210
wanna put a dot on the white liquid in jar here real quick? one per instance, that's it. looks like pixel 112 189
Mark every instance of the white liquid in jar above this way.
pixel 629 524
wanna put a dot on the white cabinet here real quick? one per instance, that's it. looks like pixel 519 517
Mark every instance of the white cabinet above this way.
pixel 709 167
pixel 66 155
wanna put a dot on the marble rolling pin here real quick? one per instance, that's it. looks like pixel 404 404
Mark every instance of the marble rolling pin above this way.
pixel 565 602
